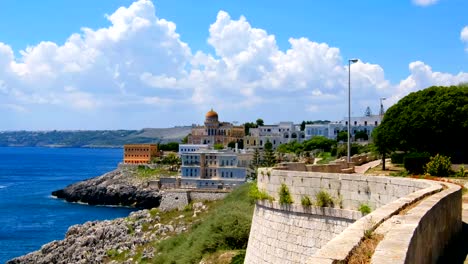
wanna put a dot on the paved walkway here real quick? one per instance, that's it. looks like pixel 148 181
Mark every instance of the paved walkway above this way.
pixel 364 167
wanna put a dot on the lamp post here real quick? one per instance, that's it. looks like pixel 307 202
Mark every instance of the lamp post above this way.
pixel 382 112
pixel 349 107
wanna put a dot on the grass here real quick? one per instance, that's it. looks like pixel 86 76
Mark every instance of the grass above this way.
pixel 363 253
pixel 364 209
pixel 285 195
pixel 326 158
pixel 323 199
pixel 256 194
pixel 225 227
pixel 305 201
pixel 146 172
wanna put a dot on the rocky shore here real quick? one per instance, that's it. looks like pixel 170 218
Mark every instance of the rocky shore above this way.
pixel 132 237
pixel 118 187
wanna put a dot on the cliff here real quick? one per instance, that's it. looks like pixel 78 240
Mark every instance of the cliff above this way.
pixel 118 187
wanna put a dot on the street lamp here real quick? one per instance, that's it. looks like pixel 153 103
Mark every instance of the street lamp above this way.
pixel 382 112
pixel 349 107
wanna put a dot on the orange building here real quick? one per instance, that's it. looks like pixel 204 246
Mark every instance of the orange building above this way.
pixel 140 153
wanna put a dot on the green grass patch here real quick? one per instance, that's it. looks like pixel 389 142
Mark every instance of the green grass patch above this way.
pixel 326 157
pixel 225 227
pixel 147 172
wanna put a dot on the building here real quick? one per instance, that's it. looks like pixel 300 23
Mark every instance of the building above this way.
pixel 214 169
pixel 216 132
pixel 365 124
pixel 140 153
pixel 282 133
pixel 187 148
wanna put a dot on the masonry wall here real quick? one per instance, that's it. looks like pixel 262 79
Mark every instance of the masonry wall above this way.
pixel 291 234
pixel 285 235
pixel 351 189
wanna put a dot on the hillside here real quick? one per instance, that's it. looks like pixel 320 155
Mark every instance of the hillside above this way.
pixel 91 138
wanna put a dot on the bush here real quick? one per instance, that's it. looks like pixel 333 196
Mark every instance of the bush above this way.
pixel 305 201
pixel 364 209
pixel 439 166
pixel 256 194
pixel 225 227
pixel 414 162
pixel 284 195
pixel 323 199
pixel 397 157
pixel 461 172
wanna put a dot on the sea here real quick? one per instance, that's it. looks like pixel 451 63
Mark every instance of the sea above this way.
pixel 29 215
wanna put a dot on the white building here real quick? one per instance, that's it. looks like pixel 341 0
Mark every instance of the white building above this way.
pixel 365 123
pixel 214 169
pixel 282 133
pixel 187 148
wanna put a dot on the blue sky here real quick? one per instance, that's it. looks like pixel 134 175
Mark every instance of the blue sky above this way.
pixel 164 63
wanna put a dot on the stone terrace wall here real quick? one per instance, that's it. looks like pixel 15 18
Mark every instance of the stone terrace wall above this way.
pixel 291 234
pixel 422 234
pixel 285 235
pixel 352 189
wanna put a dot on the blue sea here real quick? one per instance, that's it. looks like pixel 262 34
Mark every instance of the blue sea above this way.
pixel 29 215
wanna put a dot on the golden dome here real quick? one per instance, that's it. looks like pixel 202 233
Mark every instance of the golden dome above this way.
pixel 211 114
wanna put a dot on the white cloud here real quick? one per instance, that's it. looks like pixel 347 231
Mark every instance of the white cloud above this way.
pixel 464 36
pixel 424 2
pixel 139 61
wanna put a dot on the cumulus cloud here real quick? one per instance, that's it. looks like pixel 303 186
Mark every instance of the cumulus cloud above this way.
pixel 139 61
pixel 464 36
pixel 424 2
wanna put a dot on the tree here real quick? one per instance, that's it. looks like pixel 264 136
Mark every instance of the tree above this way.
pixel 342 136
pixel 256 161
pixel 269 158
pixel 248 126
pixel 231 144
pixel 361 135
pixel 319 142
pixel 185 139
pixel 171 146
pixel 259 122
pixel 218 146
pixel 434 120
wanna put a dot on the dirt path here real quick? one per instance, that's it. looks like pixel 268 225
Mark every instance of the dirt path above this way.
pixel 364 167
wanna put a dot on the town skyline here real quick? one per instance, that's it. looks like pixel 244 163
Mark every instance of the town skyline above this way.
pixel 136 64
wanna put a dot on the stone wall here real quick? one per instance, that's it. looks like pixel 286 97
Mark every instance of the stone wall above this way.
pixel 329 235
pixel 207 196
pixel 352 189
pixel 421 235
pixel 179 198
pixel 291 234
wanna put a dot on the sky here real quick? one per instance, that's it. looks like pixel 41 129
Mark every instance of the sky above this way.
pixel 122 64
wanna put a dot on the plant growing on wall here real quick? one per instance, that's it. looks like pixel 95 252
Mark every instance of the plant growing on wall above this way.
pixel 323 199
pixel 285 195
pixel 257 194
pixel 305 201
pixel 364 209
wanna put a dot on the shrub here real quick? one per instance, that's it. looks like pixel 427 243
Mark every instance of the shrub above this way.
pixel 324 199
pixel 256 194
pixel 397 157
pixel 364 209
pixel 284 195
pixel 461 172
pixel 414 162
pixel 439 166
pixel 305 201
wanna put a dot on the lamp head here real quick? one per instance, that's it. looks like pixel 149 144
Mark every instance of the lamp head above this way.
pixel 353 60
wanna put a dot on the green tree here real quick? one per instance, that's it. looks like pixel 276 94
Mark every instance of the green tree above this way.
pixel 434 120
pixel 185 139
pixel 342 136
pixel 255 164
pixel 269 158
pixel 259 122
pixel 319 142
pixel 218 146
pixel 361 135
pixel 248 126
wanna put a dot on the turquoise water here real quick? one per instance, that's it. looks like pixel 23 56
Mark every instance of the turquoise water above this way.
pixel 29 216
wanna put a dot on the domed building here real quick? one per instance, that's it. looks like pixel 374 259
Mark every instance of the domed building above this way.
pixel 216 132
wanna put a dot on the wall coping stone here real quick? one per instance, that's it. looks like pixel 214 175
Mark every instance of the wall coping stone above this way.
pixel 340 247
